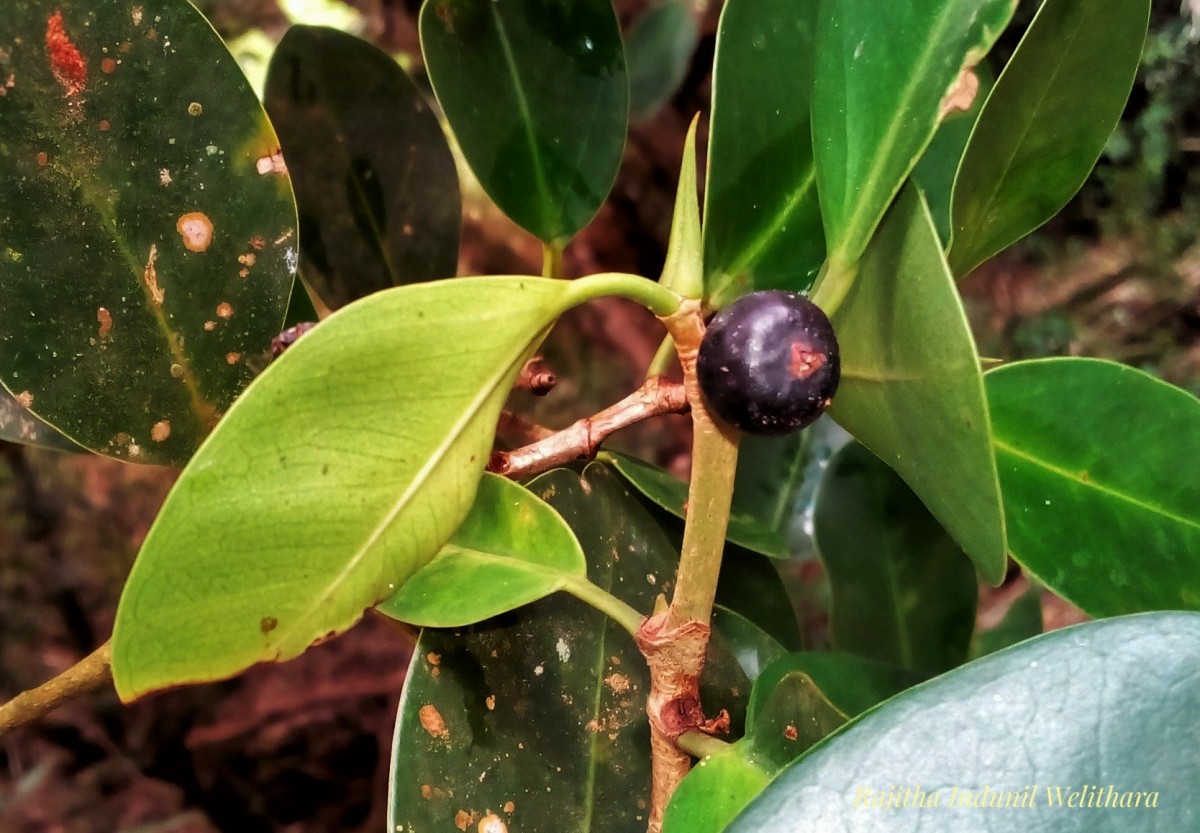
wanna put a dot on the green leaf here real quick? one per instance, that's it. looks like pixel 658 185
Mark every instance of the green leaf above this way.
pixel 903 591
pixel 1080 709
pixel 537 95
pixel 683 271
pixel 658 49
pixel 796 702
pixel 548 702
pixel 753 647
pixel 143 257
pixel 342 470
pixel 671 493
pixel 751 586
pixel 762 222
pixel 1095 461
pixel 374 177
pixel 935 170
pixel 1045 123
pixel 19 425
pixel 510 550
pixel 1022 620
pixel 911 389
pixel 882 71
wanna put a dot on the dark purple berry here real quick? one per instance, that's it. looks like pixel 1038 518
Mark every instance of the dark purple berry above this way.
pixel 769 363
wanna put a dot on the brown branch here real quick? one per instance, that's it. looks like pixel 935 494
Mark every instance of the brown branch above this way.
pixel 90 673
pixel 517 430
pixel 536 377
pixel 583 438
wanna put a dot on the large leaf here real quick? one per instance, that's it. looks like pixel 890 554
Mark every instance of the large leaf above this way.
pixel 911 389
pixel 147 247
pixel 903 591
pixel 1045 123
pixel 1102 498
pixel 537 95
pixel 1063 732
pixel 659 49
pixel 762 222
pixel 547 704
pixel 795 703
pixel 882 71
pixel 510 550
pixel 374 177
pixel 339 473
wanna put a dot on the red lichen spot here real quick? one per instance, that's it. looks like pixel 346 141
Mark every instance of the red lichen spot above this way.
pixel 196 230
pixel 805 361
pixel 108 66
pixel 233 358
pixel 463 819
pixel 160 431
pixel 209 326
pixel 491 823
pixel 105 124
pixel 224 311
pixel 256 242
pixel 791 732
pixel 432 722
pixel 67 64
pixel 42 159
pixel 433 659
pixel 490 702
pixel 268 624
pixel 247 259
pixel 104 317
pixel 509 807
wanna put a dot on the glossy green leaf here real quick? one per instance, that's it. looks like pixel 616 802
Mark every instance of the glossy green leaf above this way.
pixel 796 702
pixel 911 389
pixel 1096 464
pixel 143 256
pixel 935 170
pixel 671 493
pixel 510 550
pixel 1045 123
pixel 537 95
pixel 882 71
pixel 753 647
pixel 342 470
pixel 762 222
pixel 19 425
pixel 1104 712
pixel 752 586
pixel 903 591
pixel 683 271
pixel 374 177
pixel 1022 620
pixel 658 49
pixel 547 704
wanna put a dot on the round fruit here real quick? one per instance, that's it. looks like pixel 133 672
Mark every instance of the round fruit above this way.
pixel 769 363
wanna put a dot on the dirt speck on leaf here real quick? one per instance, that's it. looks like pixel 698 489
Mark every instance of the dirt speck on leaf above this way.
pixel 509 807
pixel 619 683
pixel 224 311
pixel 268 624
pixel 104 317
pixel 209 326
pixel 432 722
pixel 24 399
pixel 490 702
pixel 150 277
pixel 164 177
pixel 272 163
pixel 196 230
pixel 136 15
pixel 232 358
pixel 161 430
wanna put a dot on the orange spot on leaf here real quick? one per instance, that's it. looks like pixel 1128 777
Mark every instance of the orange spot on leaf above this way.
pixel 196 230
pixel 108 66
pixel 104 317
pixel 66 62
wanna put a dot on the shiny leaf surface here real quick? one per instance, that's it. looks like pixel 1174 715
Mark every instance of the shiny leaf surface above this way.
pixel 911 389
pixel 882 71
pixel 903 592
pixel 143 255
pixel 374 177
pixel 390 405
pixel 762 220
pixel 537 94
pixel 1067 713
pixel 658 49
pixel 1045 123
pixel 1103 508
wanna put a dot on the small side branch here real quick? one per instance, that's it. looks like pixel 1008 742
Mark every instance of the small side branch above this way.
pixel 90 673
pixel 583 438
pixel 537 377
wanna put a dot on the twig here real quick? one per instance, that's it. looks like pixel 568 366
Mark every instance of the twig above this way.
pixel 90 673
pixel 582 439
pixel 536 377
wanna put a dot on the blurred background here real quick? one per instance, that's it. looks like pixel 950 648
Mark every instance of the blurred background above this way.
pixel 303 747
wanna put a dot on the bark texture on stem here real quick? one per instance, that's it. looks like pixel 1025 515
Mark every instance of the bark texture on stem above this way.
pixel 90 673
